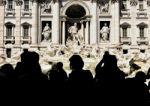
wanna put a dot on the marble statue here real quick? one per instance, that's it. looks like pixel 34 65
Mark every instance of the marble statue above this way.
pixel 104 8
pixel 74 36
pixel 46 33
pixel 46 7
pixel 105 32
pixel 81 37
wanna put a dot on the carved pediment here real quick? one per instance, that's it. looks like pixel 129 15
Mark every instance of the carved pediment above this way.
pixel 125 24
pixel 133 2
pixel 142 25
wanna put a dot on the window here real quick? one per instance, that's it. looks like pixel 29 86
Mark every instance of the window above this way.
pixel 125 27
pixel 26 5
pixel 124 32
pixel 25 32
pixel 8 31
pixel 124 7
pixel 10 4
pixel 141 5
pixel 141 31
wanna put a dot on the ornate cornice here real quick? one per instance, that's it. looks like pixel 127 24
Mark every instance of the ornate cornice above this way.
pixel 40 1
pixel 106 1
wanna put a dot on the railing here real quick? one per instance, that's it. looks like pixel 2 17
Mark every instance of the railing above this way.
pixel 26 12
pixel 9 39
pixel 141 12
pixel 125 40
pixel 10 11
pixel 142 40
pixel 25 39
pixel 125 12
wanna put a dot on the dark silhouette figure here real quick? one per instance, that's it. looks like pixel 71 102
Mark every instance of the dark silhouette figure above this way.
pixel 80 81
pixel 109 80
pixel 99 65
pixel 79 77
pixel 7 72
pixel 109 86
pixel 29 67
pixel 137 90
pixel 109 71
pixel 57 74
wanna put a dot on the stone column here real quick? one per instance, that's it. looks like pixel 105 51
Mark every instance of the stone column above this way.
pixel 34 35
pixel 63 32
pixel 13 31
pixel 39 26
pixel 112 25
pixel 116 23
pixel 82 30
pixel 2 15
pixel 18 22
pixel 82 27
pixel 56 22
pixel 87 33
pixel 93 23
pixel 134 28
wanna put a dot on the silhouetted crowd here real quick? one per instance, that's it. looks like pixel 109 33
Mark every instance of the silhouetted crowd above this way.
pixel 109 82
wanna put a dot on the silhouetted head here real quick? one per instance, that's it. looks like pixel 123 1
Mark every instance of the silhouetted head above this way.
pixel 106 54
pixel 25 56
pixel 35 57
pixel 110 60
pixel 7 69
pixel 29 57
pixel 54 67
pixel 25 50
pixel 140 76
pixel 59 65
pixel 76 62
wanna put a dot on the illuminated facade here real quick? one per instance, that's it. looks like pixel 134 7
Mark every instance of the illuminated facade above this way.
pixel 34 24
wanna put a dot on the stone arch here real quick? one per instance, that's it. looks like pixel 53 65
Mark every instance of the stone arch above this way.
pixel 81 3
